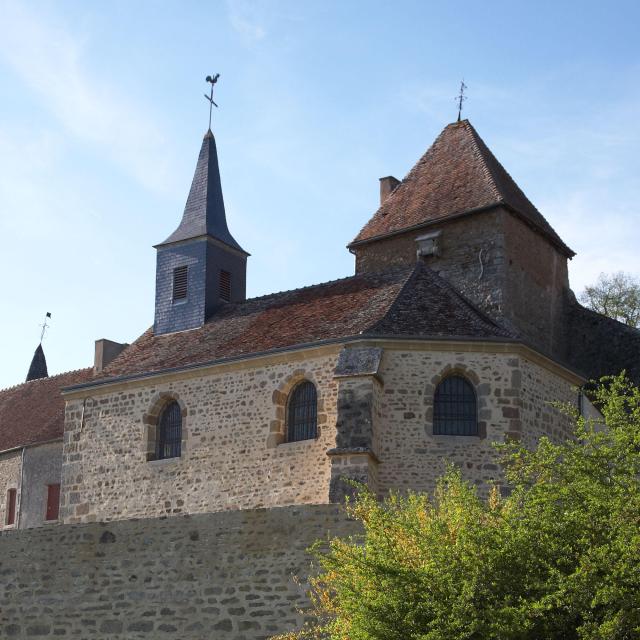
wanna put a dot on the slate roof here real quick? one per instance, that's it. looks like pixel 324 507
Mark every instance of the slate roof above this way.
pixel 38 367
pixel 33 412
pixel 408 301
pixel 600 346
pixel 458 174
pixel 204 213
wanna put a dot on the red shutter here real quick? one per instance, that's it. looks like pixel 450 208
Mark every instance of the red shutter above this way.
pixel 11 506
pixel 53 501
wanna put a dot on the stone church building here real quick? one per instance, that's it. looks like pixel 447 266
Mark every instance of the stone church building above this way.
pixel 242 418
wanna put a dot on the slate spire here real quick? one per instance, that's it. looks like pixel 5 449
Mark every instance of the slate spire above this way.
pixel 38 368
pixel 204 213
pixel 200 266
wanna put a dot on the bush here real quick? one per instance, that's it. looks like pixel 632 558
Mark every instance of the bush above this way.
pixel 559 558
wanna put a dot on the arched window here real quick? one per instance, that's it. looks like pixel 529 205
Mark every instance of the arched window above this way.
pixel 169 432
pixel 302 413
pixel 454 408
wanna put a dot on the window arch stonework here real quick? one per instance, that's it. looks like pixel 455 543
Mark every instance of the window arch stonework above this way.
pixel 151 422
pixel 481 391
pixel 277 427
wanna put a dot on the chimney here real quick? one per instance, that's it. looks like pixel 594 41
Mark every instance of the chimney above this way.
pixel 106 352
pixel 387 185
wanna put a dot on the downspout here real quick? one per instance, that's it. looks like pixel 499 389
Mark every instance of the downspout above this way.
pixel 19 501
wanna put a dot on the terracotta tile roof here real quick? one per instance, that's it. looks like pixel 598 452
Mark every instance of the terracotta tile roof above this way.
pixel 457 174
pixel 411 301
pixel 33 412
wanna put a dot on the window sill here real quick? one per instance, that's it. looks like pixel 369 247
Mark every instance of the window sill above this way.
pixel 164 461
pixel 297 444
pixel 446 439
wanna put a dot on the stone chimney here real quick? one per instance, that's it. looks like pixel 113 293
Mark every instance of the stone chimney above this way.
pixel 106 351
pixel 387 185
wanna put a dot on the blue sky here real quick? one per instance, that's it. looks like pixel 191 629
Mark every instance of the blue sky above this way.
pixel 102 116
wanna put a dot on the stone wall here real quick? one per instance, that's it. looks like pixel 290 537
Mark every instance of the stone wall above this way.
pixel 471 255
pixel 42 467
pixel 512 395
pixel 204 577
pixel 537 285
pixel 537 404
pixel 376 427
pixel 233 454
pixel 493 258
pixel 10 467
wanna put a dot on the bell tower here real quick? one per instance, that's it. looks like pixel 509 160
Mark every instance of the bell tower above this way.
pixel 200 265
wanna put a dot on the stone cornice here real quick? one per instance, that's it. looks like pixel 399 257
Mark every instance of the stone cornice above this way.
pixel 330 347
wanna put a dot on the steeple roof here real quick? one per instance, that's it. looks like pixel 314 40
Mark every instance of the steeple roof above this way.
pixel 38 368
pixel 457 175
pixel 204 213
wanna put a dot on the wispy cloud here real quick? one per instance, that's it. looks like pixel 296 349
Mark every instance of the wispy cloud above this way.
pixel 244 19
pixel 51 61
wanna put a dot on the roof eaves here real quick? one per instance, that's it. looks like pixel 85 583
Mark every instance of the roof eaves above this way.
pixel 259 354
pixel 28 445
pixel 426 223
pixel 460 214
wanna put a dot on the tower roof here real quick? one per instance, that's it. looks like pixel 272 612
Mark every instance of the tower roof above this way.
pixel 38 368
pixel 457 175
pixel 204 213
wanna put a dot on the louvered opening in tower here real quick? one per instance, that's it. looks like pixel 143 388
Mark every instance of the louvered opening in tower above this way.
pixel 225 285
pixel 180 283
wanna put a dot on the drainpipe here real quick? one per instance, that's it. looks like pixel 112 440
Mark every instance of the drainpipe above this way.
pixel 19 500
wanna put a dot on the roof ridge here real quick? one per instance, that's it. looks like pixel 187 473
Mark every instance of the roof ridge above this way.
pixel 475 137
pixel 31 382
pixel 468 304
pixel 396 301
pixel 444 285
pixel 364 275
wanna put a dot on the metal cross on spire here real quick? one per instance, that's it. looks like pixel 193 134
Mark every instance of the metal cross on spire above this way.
pixel 44 326
pixel 460 98
pixel 212 80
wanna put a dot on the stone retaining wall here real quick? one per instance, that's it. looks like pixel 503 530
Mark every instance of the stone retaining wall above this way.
pixel 227 575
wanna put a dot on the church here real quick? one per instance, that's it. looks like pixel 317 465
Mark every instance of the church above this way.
pixel 457 330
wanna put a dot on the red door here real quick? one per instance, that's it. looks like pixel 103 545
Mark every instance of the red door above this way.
pixel 53 501
pixel 11 506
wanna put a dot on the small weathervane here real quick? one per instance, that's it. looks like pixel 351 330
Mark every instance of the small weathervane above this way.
pixel 460 98
pixel 212 80
pixel 44 326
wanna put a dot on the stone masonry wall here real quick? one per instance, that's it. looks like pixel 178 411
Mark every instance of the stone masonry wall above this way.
pixel 224 576
pixel 233 454
pixel 512 396
pixel 539 415
pixel 10 469
pixel 471 255
pixel 537 284
pixel 497 261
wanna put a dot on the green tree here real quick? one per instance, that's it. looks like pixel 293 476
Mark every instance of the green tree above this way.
pixel 616 295
pixel 559 558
